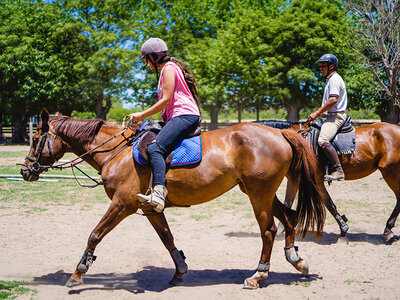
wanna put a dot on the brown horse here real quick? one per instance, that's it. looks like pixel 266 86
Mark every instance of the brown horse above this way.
pixel 377 148
pixel 253 156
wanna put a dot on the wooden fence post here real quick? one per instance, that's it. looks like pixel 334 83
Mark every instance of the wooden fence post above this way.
pixel 30 133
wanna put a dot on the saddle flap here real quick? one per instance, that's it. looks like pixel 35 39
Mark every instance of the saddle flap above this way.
pixel 148 138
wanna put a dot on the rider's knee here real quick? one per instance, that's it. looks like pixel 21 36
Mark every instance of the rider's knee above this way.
pixel 154 148
pixel 323 143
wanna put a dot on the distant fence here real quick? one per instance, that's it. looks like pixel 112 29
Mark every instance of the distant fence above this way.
pixel 8 131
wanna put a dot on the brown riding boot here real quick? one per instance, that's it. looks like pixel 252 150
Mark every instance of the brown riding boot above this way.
pixel 337 171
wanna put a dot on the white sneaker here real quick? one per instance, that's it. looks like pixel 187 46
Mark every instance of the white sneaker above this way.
pixel 156 198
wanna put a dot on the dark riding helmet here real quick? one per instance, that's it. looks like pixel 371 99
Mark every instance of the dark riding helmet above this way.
pixel 330 59
pixel 155 49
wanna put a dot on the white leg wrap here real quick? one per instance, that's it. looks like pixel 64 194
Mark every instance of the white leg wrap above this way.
pixel 262 271
pixel 291 255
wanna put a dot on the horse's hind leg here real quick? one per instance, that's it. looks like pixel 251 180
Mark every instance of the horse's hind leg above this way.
pixel 288 219
pixel 292 187
pixel 291 191
pixel 392 179
pixel 160 224
pixel 114 215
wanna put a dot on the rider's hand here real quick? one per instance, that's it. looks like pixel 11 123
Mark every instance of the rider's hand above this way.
pixel 136 117
pixel 312 117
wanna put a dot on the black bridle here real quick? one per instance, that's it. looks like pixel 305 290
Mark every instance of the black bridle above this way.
pixel 36 166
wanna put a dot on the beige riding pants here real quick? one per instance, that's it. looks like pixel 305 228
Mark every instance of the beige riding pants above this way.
pixel 332 123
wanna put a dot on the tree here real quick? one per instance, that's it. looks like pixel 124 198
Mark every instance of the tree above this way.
pixel 302 32
pixel 108 68
pixel 37 55
pixel 377 31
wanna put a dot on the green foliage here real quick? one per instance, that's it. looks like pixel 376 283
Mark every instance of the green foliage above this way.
pixel 37 58
pixel 83 114
pixel 117 112
pixel 304 30
pixel 77 56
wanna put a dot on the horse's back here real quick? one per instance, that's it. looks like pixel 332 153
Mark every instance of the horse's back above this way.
pixel 377 146
pixel 246 140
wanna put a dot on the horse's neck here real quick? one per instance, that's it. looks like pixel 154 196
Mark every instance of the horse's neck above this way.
pixel 99 150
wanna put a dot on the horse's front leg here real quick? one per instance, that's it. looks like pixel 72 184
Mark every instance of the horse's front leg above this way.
pixel 268 233
pixel 116 212
pixel 160 224
pixel 340 219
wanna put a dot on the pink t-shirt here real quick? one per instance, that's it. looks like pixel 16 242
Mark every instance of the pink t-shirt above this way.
pixel 182 102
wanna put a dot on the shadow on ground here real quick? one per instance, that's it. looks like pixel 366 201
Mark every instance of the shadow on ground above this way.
pixel 327 239
pixel 156 279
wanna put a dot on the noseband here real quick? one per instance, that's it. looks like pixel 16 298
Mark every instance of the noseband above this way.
pixel 36 166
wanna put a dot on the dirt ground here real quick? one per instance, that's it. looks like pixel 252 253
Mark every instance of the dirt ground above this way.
pixel 221 242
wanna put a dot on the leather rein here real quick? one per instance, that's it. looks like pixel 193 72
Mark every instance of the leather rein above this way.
pixel 36 165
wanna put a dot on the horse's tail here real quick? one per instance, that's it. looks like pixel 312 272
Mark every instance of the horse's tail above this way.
pixel 310 208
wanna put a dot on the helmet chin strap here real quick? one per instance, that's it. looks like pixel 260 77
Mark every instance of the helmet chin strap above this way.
pixel 156 73
pixel 329 71
pixel 151 57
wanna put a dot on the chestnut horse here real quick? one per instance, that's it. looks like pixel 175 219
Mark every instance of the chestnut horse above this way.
pixel 377 148
pixel 253 156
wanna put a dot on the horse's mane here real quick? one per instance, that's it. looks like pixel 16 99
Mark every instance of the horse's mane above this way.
pixel 84 131
pixel 277 124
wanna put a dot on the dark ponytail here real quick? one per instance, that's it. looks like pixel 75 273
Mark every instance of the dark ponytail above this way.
pixel 189 78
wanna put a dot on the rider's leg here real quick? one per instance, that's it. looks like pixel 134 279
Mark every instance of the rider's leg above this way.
pixel 174 131
pixel 328 131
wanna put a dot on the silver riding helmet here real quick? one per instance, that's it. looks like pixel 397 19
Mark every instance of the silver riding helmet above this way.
pixel 155 49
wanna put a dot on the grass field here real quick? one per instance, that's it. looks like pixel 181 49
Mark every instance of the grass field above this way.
pixel 61 192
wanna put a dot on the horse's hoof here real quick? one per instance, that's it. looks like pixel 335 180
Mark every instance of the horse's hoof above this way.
pixel 176 281
pixel 388 237
pixel 342 240
pixel 73 282
pixel 248 285
pixel 303 267
pixel 391 238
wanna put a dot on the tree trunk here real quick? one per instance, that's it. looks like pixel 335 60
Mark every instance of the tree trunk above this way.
pixel 392 115
pixel 257 113
pixel 239 108
pixel 214 117
pixel 102 111
pixel 292 112
pixel 1 125
pixel 19 135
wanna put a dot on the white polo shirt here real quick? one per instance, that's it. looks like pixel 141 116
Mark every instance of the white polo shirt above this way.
pixel 335 86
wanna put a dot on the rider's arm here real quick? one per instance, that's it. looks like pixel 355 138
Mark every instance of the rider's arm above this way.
pixel 327 106
pixel 167 94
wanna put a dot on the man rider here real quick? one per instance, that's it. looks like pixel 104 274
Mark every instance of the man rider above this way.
pixel 333 109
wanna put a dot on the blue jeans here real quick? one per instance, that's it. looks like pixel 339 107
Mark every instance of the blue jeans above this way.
pixel 171 134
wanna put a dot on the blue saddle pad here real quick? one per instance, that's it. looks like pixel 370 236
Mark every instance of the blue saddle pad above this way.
pixel 187 152
pixel 344 143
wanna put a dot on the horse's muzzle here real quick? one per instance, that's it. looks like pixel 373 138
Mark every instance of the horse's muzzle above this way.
pixel 28 174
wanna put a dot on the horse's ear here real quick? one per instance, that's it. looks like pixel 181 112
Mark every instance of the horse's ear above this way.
pixel 44 114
